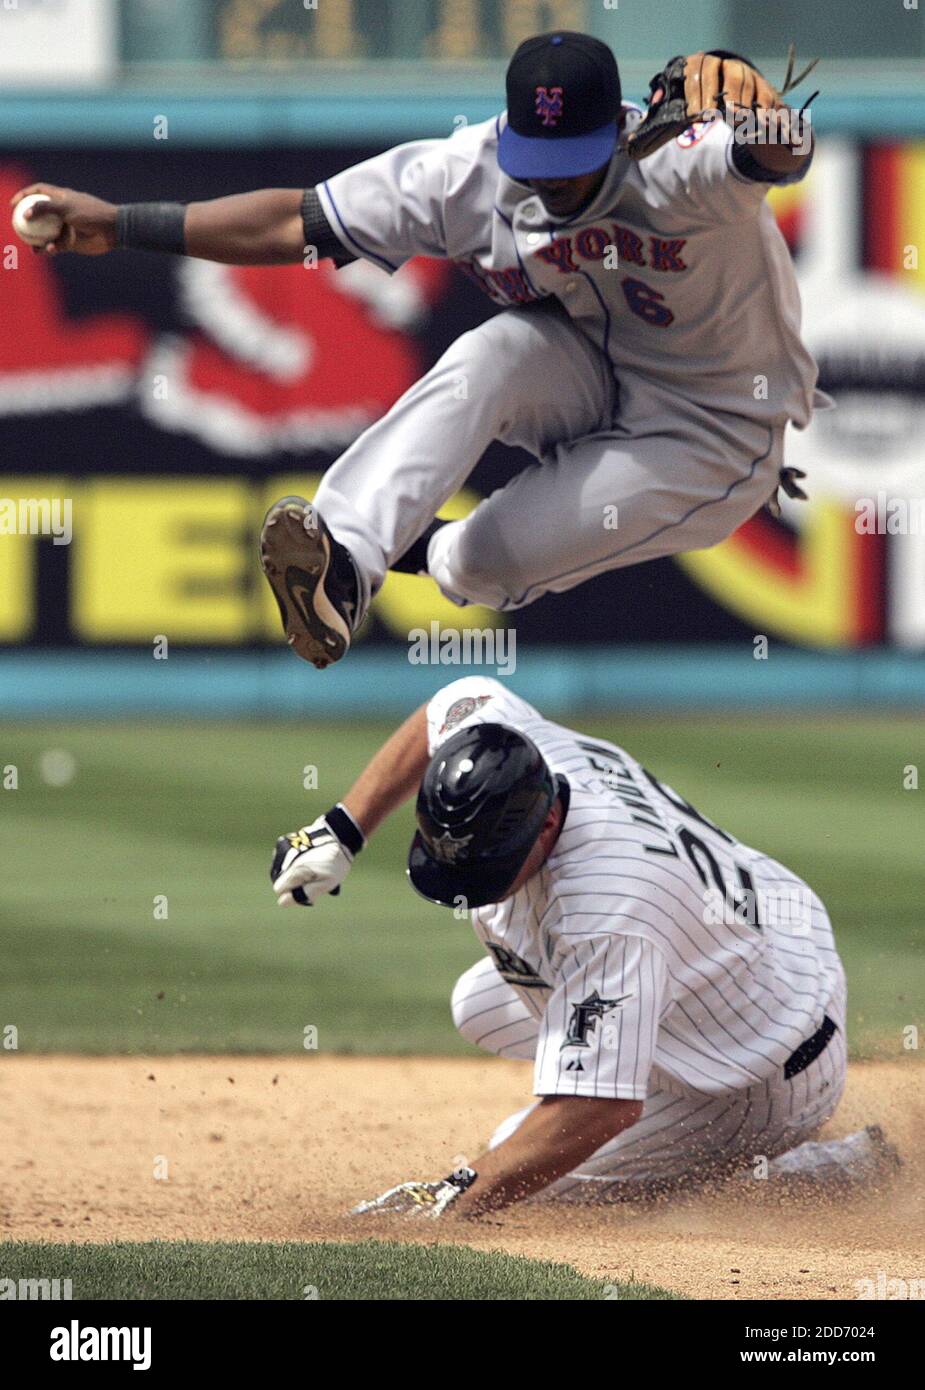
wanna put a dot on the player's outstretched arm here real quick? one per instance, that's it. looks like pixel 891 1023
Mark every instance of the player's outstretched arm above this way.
pixel 265 227
pixel 392 775
pixel 260 228
pixel 552 1140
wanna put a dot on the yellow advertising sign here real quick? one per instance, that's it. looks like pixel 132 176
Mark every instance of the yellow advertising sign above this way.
pixel 178 557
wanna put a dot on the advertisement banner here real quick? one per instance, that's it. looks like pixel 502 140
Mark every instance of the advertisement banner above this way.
pixel 162 403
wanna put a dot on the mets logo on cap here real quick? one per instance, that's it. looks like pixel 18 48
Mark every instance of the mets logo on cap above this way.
pixel 563 107
pixel 549 104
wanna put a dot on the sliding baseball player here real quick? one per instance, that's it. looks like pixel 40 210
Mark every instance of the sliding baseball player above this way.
pixel 679 993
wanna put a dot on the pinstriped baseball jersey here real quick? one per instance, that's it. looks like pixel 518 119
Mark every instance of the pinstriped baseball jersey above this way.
pixel 652 946
pixel 677 269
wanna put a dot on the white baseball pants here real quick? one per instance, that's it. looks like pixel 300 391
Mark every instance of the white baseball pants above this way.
pixel 682 1137
pixel 626 471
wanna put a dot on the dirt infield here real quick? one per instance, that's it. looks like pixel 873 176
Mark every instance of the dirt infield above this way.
pixel 277 1148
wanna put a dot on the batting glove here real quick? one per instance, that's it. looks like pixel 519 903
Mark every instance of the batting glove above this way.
pixel 420 1198
pixel 316 859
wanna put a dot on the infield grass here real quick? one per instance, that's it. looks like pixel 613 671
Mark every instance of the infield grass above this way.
pixel 137 916
pixel 366 1271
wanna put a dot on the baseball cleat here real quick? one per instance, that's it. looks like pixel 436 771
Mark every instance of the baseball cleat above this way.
pixel 313 581
pixel 858 1161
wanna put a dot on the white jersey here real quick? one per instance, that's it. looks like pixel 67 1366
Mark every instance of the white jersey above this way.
pixel 677 270
pixel 652 946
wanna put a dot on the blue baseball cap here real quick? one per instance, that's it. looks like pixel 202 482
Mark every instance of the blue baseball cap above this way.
pixel 563 107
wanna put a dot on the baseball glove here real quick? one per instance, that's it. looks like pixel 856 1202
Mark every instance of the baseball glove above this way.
pixel 704 87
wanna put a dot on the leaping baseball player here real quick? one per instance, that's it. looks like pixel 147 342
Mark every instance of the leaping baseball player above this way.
pixel 648 354
pixel 679 993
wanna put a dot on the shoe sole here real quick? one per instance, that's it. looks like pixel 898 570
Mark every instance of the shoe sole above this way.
pixel 295 555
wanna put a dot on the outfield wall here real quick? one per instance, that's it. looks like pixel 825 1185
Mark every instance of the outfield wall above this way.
pixel 382 683
pixel 338 109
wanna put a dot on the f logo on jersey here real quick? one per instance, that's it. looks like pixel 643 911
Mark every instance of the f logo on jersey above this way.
pixel 549 102
pixel 585 1016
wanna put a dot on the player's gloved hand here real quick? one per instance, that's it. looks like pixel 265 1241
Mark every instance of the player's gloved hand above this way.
pixel 703 87
pixel 316 859
pixel 787 482
pixel 420 1198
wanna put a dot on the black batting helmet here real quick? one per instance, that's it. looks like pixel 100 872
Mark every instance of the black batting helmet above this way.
pixel 482 803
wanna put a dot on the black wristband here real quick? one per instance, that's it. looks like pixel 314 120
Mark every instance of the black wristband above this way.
pixel 750 168
pixel 317 231
pixel 345 828
pixel 151 227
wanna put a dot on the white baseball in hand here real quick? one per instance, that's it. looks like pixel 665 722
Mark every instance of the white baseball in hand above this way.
pixel 37 230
